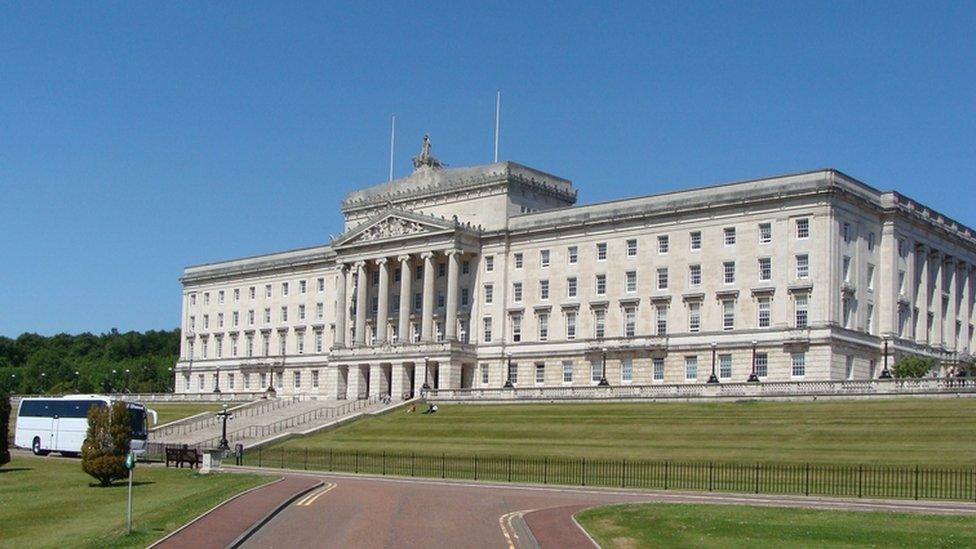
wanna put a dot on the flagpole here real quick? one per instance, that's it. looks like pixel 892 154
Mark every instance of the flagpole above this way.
pixel 498 112
pixel 392 144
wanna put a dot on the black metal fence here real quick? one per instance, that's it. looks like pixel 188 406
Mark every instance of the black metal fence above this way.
pixel 860 481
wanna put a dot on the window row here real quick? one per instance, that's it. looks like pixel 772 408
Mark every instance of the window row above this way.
pixel 252 291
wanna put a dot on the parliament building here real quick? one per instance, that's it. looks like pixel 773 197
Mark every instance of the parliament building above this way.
pixel 493 275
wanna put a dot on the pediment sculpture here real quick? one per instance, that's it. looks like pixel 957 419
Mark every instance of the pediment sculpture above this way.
pixel 391 227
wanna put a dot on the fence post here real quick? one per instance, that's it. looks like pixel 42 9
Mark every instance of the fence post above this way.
pixel 259 456
pixel 709 476
pixel 476 466
pixel 443 459
pixel 384 463
pixel 306 458
pixel 357 462
pixel 583 473
pixel 282 461
pixel 806 481
pixel 859 483
pixel 666 474
pixel 413 455
pixel 330 459
pixel 757 477
pixel 623 473
pixel 545 470
pixel 510 467
pixel 916 482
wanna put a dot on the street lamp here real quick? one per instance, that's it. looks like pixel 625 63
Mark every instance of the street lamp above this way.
pixel 127 380
pixel 426 385
pixel 77 379
pixel 713 378
pixel 217 382
pixel 271 388
pixel 224 415
pixel 111 383
pixel 603 371
pixel 885 373
pixel 753 378
pixel 508 372
pixel 172 377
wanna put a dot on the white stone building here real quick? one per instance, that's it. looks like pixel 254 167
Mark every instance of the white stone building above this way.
pixel 471 277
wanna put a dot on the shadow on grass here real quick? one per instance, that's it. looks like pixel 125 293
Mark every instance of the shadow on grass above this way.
pixel 15 469
pixel 121 484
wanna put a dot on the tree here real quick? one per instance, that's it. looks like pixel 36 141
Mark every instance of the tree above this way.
pixel 4 426
pixel 103 452
pixel 912 366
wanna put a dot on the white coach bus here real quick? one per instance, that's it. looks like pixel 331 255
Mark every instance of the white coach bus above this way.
pixel 59 424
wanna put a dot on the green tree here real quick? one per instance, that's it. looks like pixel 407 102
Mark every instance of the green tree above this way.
pixel 107 443
pixel 912 366
pixel 4 426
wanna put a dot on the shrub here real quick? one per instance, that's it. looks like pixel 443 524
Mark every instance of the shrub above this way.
pixel 912 366
pixel 4 427
pixel 103 452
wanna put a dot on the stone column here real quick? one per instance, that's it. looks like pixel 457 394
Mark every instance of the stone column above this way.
pixel 406 299
pixel 453 273
pixel 375 375
pixel 964 309
pixel 398 381
pixel 357 382
pixel 923 293
pixel 950 325
pixel 887 284
pixel 427 315
pixel 361 283
pixel 341 308
pixel 937 325
pixel 383 307
pixel 419 376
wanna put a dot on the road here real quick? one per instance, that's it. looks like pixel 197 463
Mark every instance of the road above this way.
pixel 360 511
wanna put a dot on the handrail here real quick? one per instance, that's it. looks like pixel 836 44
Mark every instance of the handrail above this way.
pixel 246 410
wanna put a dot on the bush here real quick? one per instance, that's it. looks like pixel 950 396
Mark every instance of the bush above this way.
pixel 107 443
pixel 4 427
pixel 912 366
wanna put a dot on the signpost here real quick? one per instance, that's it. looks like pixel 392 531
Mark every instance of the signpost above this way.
pixel 130 464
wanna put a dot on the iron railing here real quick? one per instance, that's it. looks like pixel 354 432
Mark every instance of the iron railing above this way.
pixel 196 423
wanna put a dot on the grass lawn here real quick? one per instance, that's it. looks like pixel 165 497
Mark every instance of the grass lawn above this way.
pixel 172 411
pixel 48 502
pixel 666 525
pixel 910 431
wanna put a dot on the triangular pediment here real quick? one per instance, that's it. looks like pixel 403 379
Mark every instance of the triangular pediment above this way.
pixel 392 225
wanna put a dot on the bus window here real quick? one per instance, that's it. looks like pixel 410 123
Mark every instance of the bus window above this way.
pixel 137 420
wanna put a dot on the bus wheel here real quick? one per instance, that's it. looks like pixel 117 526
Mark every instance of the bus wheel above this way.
pixel 36 447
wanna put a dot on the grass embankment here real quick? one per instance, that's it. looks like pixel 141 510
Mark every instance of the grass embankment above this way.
pixel 50 502
pixel 662 525
pixel 909 431
pixel 172 411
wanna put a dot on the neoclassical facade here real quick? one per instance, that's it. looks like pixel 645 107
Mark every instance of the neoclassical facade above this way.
pixel 488 275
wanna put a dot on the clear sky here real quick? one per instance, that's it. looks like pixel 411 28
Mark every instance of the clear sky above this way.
pixel 137 138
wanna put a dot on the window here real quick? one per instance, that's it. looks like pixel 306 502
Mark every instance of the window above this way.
pixel 599 322
pixel 798 361
pixel 267 290
pixel 626 370
pixel 544 290
pixel 264 380
pixel 441 271
pixel 802 266
pixel 301 312
pixel 203 347
pixel 663 243
pixel 728 314
pixel 571 325
pixel 573 254
pixel 662 320
pixel 544 258
pixel 630 321
pixel 846 269
pixel 193 299
pixel 300 337
pixel 486 329
pixel 870 242
pixel 247 382
pixel 902 248
pixel 543 326
pixel 315 379
pixel 517 292
pixel 694 317
pixel 321 284
pixel 728 272
pixel 849 368
pixel 284 314
pixel 303 286
pixel 694 275
pixel 631 282
pixel 206 322
pixel 695 238
pixel 632 247
pixel 284 288
pixel 237 295
pixel 691 368
pixel 729 233
pixel 516 328
pixel 236 318
pixel 765 233
pixel 725 366
pixel 540 374
pixel 801 304
pixel 418 301
pixel 762 364
pixel 484 374
pixel 219 347
pixel 418 272
pixel 657 373
pixel 803 228
pixel 846 231
pixel 513 372
pixel 282 342
pixel 596 371
pixel 662 278
pixel 440 301
pixel 465 267
pixel 320 309
pixel 601 251
pixel 901 282
pixel 251 292
pixel 250 317
pixel 764 312
pixel 901 275
pixel 220 320
pixel 489 293
pixel 193 322
pixel 601 284
pixel 571 286
pixel 518 260
pixel 489 263
pixel 765 268
pixel 265 345
pixel 567 371
pixel 848 312
pixel 298 379
pixel 220 296
pixel 318 341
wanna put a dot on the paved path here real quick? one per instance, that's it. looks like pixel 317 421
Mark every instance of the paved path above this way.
pixel 363 511
pixel 221 526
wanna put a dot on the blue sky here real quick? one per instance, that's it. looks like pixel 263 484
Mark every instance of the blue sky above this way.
pixel 137 138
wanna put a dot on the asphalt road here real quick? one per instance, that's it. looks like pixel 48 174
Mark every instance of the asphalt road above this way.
pixel 360 511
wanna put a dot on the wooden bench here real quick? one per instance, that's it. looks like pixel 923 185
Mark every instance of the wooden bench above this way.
pixel 190 456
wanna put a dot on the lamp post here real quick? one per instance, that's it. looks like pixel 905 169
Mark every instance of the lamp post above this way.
pixel 603 371
pixel 753 378
pixel 172 377
pixel 271 388
pixel 713 378
pixel 426 385
pixel 224 415
pixel 885 373
pixel 508 372
pixel 127 380
pixel 77 379
pixel 217 380
pixel 111 383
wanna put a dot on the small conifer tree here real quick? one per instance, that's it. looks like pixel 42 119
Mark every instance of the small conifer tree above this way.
pixel 107 443
pixel 4 427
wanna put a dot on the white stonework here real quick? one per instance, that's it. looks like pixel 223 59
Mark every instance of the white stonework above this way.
pixel 656 288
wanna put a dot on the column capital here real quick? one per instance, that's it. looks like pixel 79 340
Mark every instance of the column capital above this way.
pixel 359 264
pixel 452 252
pixel 380 262
pixel 427 255
pixel 403 258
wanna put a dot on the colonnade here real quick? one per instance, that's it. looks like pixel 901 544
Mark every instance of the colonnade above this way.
pixel 944 289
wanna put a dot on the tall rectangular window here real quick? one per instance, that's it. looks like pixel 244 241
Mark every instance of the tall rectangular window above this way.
pixel 728 314
pixel 567 371
pixel 728 272
pixel 517 292
pixel 284 314
pixel 544 290
pixel 696 240
pixel 489 294
pixel 764 312
pixel 802 266
pixel 657 373
pixel 729 234
pixel 901 278
pixel 571 286
pixel 543 326
pixel 300 337
pixel 320 282
pixel 632 247
pixel 544 258
pixel 320 310
pixel 484 374
pixel 762 364
pixel 220 296
pixel 846 231
pixel 486 329
pixel 318 341
pixel 489 263
pixel 596 371
pixel 516 328
pixel 869 324
pixel 802 228
pixel 267 290
pixel 765 233
pixel 662 320
pixel 626 370
pixel 518 260
pixel 540 373
pixel 302 286
pixel 572 253
pixel 663 244
pixel 798 363
pixel 601 284
pixel 765 269
pixel 691 368
pixel 725 366
pixel 251 292
pixel 237 294
pixel 599 322
pixel 846 269
pixel 601 251
pixel 301 312
pixel 630 321
pixel 801 304
pixel 571 325
pixel 298 379
pixel 694 275
pixel 662 278
pixel 631 282
pixel 694 317
pixel 284 288
pixel 513 372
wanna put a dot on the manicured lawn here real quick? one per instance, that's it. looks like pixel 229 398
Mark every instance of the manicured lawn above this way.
pixel 660 525
pixel 48 502
pixel 172 411
pixel 911 431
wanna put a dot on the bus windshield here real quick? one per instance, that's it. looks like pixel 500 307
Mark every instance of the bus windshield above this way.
pixel 137 420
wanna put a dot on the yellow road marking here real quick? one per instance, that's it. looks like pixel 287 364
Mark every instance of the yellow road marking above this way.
pixel 310 499
pixel 505 521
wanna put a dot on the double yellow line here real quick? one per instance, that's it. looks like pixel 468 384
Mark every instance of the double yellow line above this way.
pixel 505 521
pixel 316 494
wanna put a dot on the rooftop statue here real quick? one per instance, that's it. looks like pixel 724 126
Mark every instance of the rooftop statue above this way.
pixel 425 158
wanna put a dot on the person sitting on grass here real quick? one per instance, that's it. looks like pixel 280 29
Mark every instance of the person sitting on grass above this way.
pixel 431 408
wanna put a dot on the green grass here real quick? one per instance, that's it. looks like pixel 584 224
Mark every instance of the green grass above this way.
pixel 729 526
pixel 48 502
pixel 911 431
pixel 172 411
